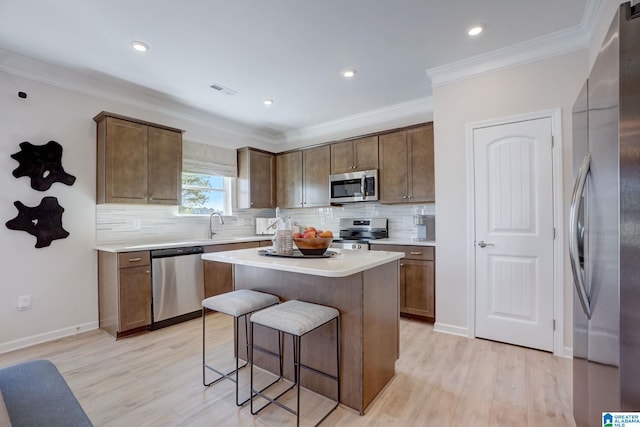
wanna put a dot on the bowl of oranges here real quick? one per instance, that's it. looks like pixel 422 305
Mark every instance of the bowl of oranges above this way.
pixel 313 241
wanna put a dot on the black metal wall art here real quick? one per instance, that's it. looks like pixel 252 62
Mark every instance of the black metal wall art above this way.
pixel 43 221
pixel 43 164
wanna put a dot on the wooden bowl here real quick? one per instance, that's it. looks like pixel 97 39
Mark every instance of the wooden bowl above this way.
pixel 312 246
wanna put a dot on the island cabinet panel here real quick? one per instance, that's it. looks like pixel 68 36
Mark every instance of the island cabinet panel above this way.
pixel 137 162
pixel 256 183
pixel 124 292
pixel 354 155
pixel 407 166
pixel 218 276
pixel 369 327
pixel 417 280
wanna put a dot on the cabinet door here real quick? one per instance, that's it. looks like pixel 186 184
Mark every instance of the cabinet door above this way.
pixel 165 166
pixel 342 159
pixel 256 179
pixel 393 167
pixel 417 291
pixel 359 154
pixel 365 153
pixel 124 147
pixel 421 170
pixel 289 176
pixel 134 298
pixel 315 171
pixel 218 276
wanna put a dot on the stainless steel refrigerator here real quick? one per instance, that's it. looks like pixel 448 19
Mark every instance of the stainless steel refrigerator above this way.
pixel 604 241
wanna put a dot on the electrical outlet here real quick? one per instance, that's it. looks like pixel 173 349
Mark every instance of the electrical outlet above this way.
pixel 24 302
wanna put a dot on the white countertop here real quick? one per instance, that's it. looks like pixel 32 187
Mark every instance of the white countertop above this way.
pixel 148 246
pixel 406 242
pixel 344 263
pixel 128 247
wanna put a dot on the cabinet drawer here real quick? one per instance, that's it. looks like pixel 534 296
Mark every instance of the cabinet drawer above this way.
pixel 133 259
pixel 410 252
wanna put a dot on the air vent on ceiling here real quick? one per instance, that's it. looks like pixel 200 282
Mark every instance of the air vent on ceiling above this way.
pixel 223 89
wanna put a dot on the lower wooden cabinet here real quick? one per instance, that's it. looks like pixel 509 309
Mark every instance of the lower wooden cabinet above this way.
pixel 417 280
pixel 124 291
pixel 218 276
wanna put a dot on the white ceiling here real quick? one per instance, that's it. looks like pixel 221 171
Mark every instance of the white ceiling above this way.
pixel 289 50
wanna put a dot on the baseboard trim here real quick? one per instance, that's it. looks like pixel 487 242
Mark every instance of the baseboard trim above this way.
pixel 568 353
pixel 47 336
pixel 451 329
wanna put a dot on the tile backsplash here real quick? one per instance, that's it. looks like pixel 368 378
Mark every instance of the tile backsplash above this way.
pixel 139 223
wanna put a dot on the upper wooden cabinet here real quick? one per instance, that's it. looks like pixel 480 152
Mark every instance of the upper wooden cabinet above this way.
pixel 303 177
pixel 256 179
pixel 354 155
pixel 138 162
pixel 315 176
pixel 289 176
pixel 406 166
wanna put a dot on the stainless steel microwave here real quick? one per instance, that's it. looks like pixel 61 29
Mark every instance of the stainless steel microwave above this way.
pixel 360 186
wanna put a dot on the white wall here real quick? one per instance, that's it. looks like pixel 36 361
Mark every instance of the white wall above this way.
pixel 537 86
pixel 61 278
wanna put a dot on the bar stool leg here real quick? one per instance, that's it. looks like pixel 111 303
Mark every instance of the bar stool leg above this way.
pixel 260 392
pixel 297 343
pixel 236 346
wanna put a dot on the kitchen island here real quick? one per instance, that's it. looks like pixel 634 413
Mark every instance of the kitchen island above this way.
pixel 362 285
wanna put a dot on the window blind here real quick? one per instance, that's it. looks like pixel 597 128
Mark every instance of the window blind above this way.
pixel 209 159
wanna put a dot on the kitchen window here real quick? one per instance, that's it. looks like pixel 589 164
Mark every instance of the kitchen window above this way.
pixel 203 194
pixel 209 173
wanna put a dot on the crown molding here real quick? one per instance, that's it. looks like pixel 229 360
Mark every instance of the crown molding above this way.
pixel 95 84
pixel 547 46
pixel 558 43
pixel 397 115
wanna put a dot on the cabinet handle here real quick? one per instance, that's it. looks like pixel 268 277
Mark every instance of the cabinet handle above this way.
pixel 147 272
pixel 135 259
pixel 408 197
pixel 404 197
pixel 415 253
pixel 150 197
pixel 401 265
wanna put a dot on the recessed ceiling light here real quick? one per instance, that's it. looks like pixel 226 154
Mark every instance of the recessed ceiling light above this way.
pixel 139 46
pixel 475 30
pixel 349 73
pixel 268 102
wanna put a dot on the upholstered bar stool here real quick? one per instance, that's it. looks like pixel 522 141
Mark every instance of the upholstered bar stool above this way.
pixel 238 304
pixel 296 318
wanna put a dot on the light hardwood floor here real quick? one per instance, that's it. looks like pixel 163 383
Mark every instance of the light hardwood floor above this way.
pixel 154 379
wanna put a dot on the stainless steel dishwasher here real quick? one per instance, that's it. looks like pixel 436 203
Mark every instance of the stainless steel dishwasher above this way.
pixel 178 285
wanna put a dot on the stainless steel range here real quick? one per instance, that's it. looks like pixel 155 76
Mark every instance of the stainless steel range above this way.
pixel 355 233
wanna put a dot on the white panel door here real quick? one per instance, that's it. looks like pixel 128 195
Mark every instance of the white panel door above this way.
pixel 514 233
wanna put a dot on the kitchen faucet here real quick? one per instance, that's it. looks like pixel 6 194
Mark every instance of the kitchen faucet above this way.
pixel 211 232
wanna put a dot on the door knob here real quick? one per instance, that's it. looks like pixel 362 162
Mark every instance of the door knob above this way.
pixel 484 244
